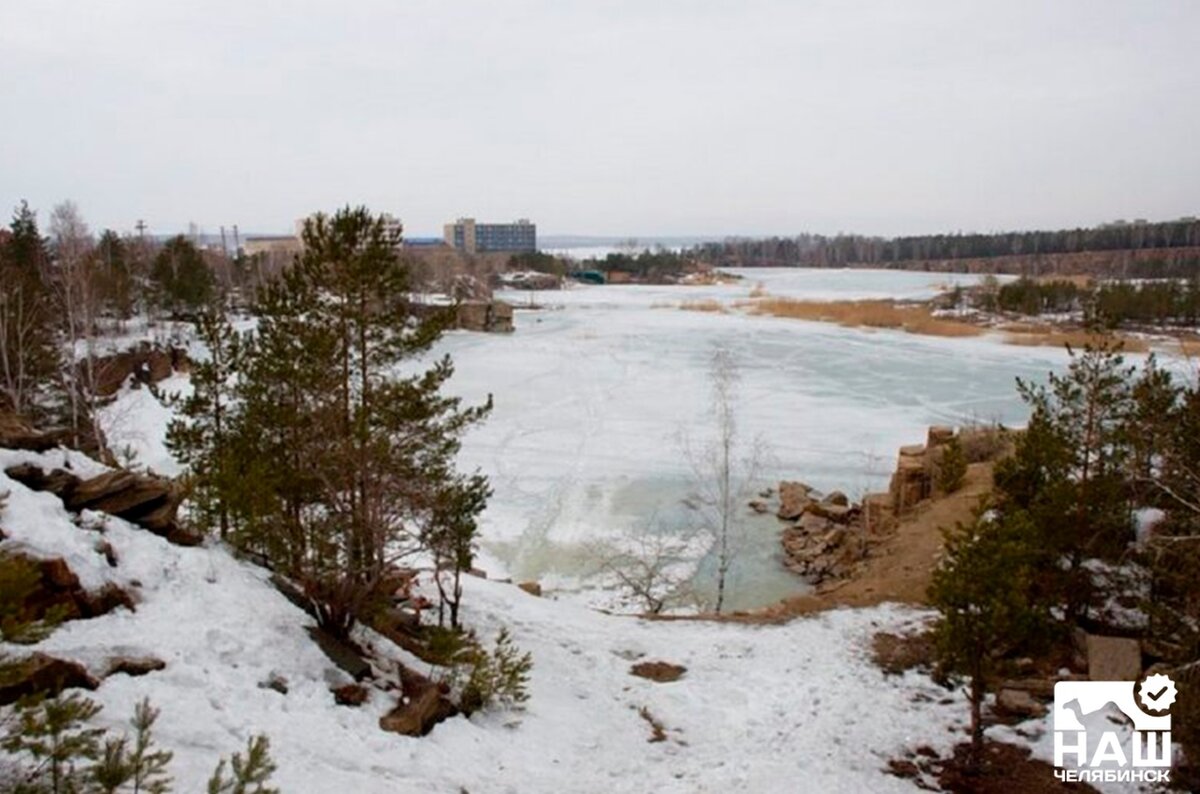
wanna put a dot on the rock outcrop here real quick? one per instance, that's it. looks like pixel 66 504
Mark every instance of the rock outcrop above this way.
pixel 16 433
pixel 829 535
pixel 142 499
pixel 916 469
pixel 146 363
pixel 492 316
pixel 40 674
pixel 59 592
pixel 423 705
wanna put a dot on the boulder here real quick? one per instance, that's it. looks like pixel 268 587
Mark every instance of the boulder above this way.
pixel 145 364
pixel 758 506
pixel 423 705
pixel 275 681
pixel 660 672
pixel 811 523
pixel 133 665
pixel 350 695
pixel 16 433
pixel 837 498
pixel 1019 703
pixel 113 492
pixel 58 589
pixel 491 316
pixel 158 365
pixel 57 482
pixel 39 674
pixel 148 501
pixel 833 512
pixel 1113 658
pixel 533 588
pixel 793 499
pixel 418 716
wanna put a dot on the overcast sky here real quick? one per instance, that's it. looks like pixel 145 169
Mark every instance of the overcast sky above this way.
pixel 625 118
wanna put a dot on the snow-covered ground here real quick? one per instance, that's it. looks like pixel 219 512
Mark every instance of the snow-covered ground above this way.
pixel 789 708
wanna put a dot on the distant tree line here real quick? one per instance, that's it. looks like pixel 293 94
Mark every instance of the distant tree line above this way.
pixel 647 265
pixel 1112 304
pixel 815 250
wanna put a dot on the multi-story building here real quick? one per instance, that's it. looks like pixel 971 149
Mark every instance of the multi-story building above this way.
pixel 483 238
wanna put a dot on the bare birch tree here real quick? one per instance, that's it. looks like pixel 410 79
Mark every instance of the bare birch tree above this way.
pixel 75 288
pixel 724 469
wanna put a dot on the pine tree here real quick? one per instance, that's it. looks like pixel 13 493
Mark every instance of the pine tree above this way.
pixel 248 775
pixel 1071 466
pixel 116 274
pixel 183 281
pixel 450 536
pixel 952 467
pixel 140 770
pixel 358 453
pixel 202 438
pixel 53 733
pixel 981 592
pixel 29 356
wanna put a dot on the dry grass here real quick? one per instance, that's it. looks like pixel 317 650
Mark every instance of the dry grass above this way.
pixel 1047 336
pixel 1190 347
pixel 1078 279
pixel 706 305
pixel 914 318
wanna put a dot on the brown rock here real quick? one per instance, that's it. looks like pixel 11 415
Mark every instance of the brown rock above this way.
pixel 793 498
pixel 911 482
pixel 661 672
pixel 813 524
pixel 423 706
pixel 350 695
pixel 39 674
pixel 533 588
pixel 939 435
pixel 758 505
pixel 158 365
pixel 837 498
pixel 419 715
pixel 133 665
pixel 1019 703
pixel 16 433
pixel 56 574
pixel 834 512
pixel 57 482
pixel 1113 658
pixel 103 601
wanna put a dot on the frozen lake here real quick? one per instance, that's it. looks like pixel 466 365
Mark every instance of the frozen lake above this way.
pixel 596 392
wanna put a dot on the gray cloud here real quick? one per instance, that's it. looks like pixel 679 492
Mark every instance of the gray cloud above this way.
pixel 665 117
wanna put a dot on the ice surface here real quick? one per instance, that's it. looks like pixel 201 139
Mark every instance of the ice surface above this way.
pixel 596 393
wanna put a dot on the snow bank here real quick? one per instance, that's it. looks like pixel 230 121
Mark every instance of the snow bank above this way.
pixel 785 708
